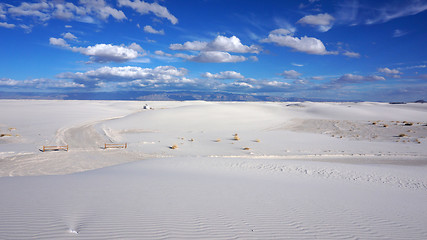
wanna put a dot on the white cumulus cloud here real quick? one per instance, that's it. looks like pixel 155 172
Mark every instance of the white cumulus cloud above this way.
pixel 7 25
pixel 350 78
pixel 394 73
pixel 389 71
pixel 161 77
pixel 103 52
pixel 101 9
pixel 60 42
pixel 40 10
pixel 161 53
pixel 217 50
pixel 136 47
pixel 145 8
pixel 276 84
pixel 127 73
pixel 2 12
pixel 241 85
pixel 291 74
pixel 150 29
pixel 190 46
pixel 351 54
pixel 44 10
pixel 231 44
pixel 108 53
pixel 220 43
pixel 214 57
pixel 223 75
pixel 323 21
pixel 67 10
pixel 39 83
pixel 69 36
pixel 284 37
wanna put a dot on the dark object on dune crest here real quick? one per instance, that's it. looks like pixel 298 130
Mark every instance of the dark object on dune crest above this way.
pixel 397 102
pixel 147 107
pixel 420 101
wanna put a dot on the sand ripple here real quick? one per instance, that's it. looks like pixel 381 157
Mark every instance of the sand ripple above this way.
pixel 163 199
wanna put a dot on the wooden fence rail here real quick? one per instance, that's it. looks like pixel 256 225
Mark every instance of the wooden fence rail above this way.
pixel 106 146
pixel 55 148
pixel 115 145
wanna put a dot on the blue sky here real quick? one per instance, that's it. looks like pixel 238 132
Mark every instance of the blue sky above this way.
pixel 343 50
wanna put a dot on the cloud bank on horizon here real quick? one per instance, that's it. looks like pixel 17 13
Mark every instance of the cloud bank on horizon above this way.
pixel 343 50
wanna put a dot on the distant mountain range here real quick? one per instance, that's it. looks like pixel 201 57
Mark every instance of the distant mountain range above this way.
pixel 163 96
pixel 155 96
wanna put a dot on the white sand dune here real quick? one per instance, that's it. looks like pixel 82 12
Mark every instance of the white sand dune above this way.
pixel 200 198
pixel 311 170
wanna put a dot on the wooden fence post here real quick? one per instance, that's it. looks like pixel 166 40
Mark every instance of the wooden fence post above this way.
pixel 115 145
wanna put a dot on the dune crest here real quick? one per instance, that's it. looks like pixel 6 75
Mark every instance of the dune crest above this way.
pixel 210 170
